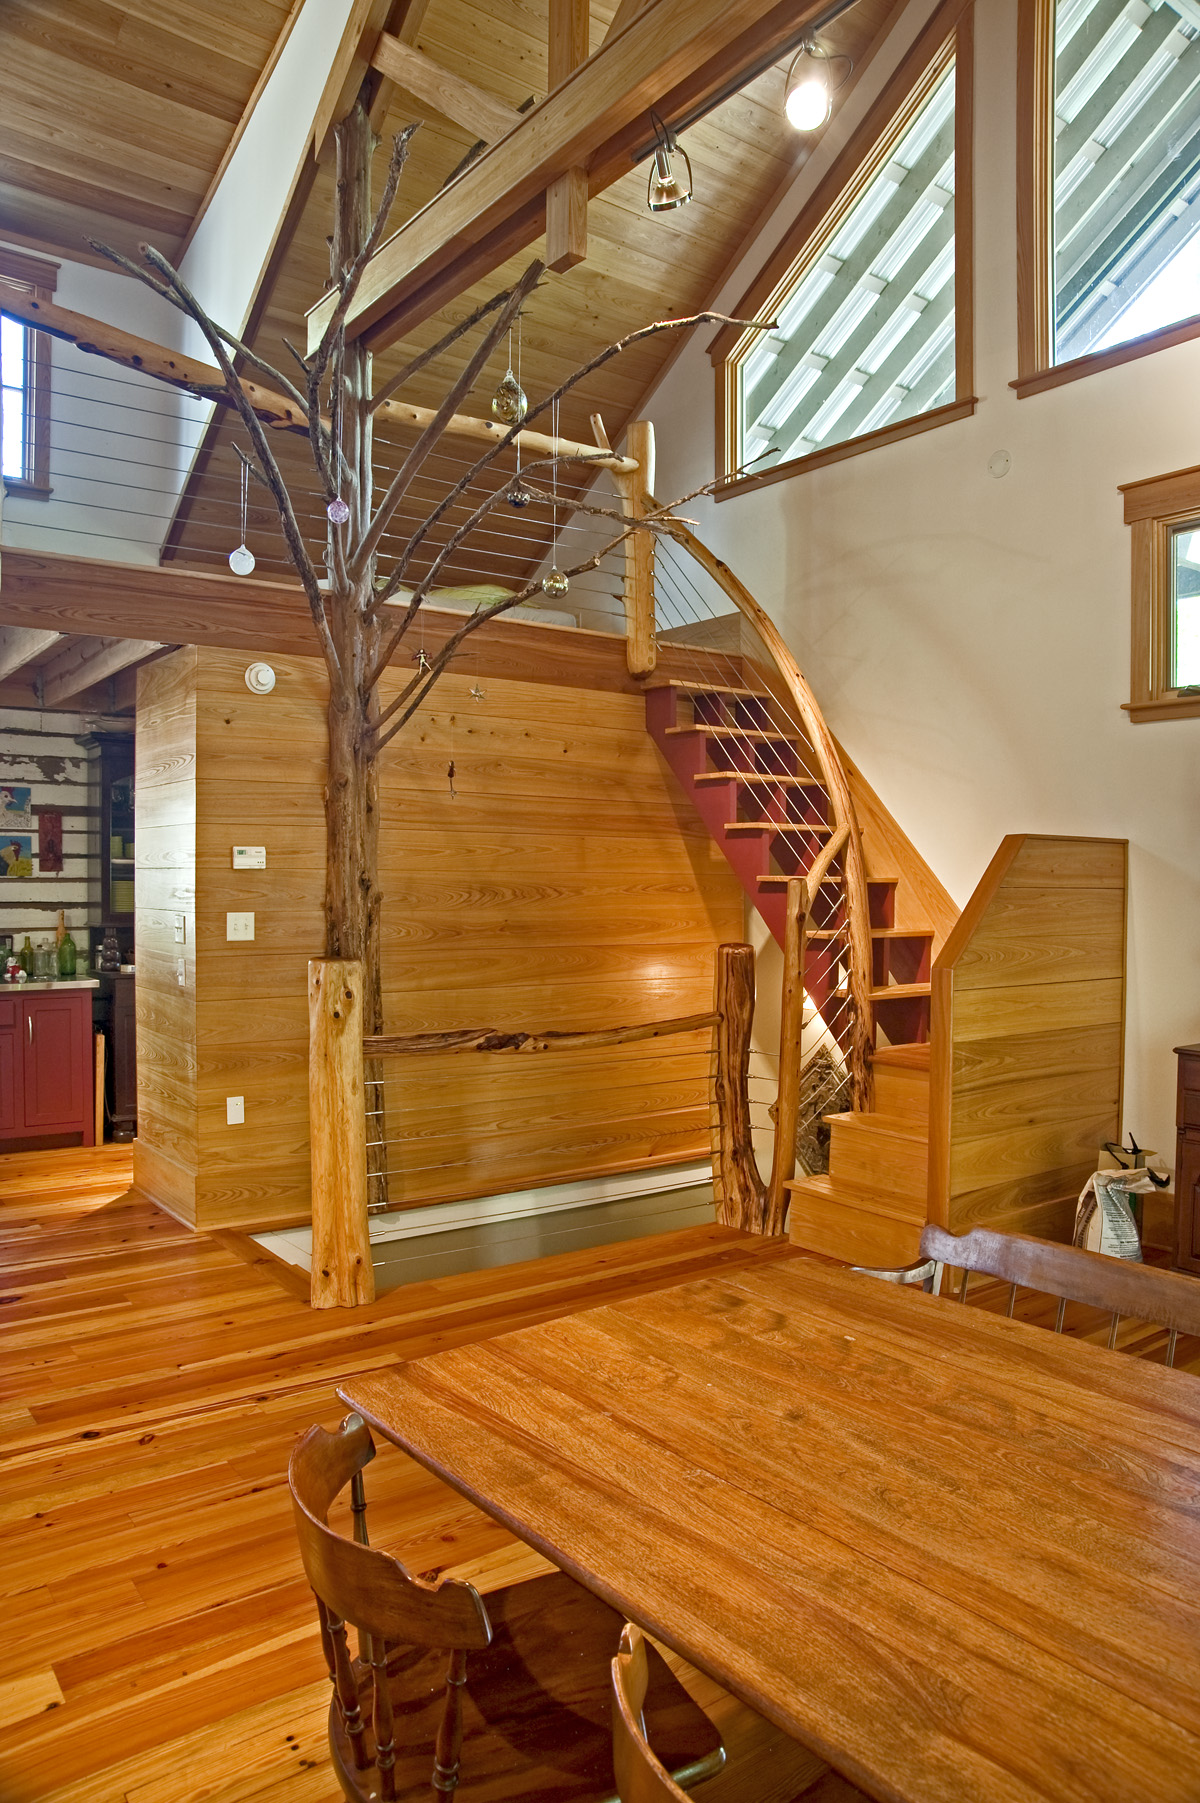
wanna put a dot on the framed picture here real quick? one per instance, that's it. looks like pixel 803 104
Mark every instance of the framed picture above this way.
pixel 16 855
pixel 16 810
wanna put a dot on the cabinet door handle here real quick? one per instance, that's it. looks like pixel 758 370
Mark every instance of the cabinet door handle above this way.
pixel 29 1018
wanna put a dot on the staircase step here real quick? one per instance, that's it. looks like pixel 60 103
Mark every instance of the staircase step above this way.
pixel 892 992
pixel 709 688
pixel 754 776
pixel 906 1057
pixel 878 933
pixel 902 1082
pixel 776 881
pixel 754 733
pixel 853 1225
pixel 881 1155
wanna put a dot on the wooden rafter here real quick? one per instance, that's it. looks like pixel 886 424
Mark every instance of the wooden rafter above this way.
pixel 675 55
pixel 567 195
pixel 447 94
pixel 20 645
pixel 88 661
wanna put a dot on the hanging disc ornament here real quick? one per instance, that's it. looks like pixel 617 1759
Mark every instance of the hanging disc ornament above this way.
pixel 509 403
pixel 241 561
pixel 554 583
pixel 338 511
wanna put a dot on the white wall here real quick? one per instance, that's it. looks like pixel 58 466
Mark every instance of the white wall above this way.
pixel 968 637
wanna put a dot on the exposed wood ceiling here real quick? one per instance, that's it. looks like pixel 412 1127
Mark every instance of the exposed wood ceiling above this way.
pixel 116 113
pixel 132 154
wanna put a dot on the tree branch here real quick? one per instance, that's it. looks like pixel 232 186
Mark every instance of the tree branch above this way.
pixel 348 287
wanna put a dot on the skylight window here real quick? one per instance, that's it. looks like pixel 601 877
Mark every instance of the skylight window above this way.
pixel 1126 170
pixel 864 329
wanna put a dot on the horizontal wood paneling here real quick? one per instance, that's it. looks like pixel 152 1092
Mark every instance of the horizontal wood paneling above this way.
pixel 1028 1036
pixel 568 885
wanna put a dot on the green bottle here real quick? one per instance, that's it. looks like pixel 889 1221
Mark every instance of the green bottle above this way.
pixel 25 957
pixel 66 956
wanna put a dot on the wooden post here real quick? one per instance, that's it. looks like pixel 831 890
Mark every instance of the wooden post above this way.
pixel 342 1274
pixel 637 498
pixel 567 195
pixel 791 1027
pixel 743 1196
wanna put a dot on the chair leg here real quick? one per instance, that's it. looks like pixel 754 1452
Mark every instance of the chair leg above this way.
pixel 449 1741
pixel 1173 1336
pixel 1112 1332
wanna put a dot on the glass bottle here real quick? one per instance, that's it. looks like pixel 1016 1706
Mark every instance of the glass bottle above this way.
pixel 67 957
pixel 25 957
pixel 110 951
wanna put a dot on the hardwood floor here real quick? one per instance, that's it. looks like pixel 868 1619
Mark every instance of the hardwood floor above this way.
pixel 160 1644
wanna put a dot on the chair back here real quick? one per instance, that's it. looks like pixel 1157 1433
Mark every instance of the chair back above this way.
pixel 1117 1285
pixel 355 1583
pixel 640 1777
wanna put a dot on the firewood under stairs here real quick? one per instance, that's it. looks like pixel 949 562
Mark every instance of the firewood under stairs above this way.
pixel 748 771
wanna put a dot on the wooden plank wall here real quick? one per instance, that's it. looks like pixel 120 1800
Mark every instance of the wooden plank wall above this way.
pixel 1028 1036
pixel 566 884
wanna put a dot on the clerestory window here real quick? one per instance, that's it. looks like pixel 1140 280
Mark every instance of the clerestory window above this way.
pixel 25 380
pixel 870 294
pixel 1110 176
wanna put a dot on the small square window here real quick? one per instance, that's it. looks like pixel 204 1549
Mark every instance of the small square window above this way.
pixel 1163 513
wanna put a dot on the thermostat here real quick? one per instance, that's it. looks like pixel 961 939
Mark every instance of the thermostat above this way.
pixel 249 857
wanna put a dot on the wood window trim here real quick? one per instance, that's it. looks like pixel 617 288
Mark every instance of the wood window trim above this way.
pixel 1153 508
pixel 1036 368
pixel 41 277
pixel 948 34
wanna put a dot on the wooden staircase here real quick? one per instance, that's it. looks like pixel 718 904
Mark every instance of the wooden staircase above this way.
pixel 748 771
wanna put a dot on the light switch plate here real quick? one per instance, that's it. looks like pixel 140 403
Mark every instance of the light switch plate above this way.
pixel 239 926
pixel 180 929
pixel 181 974
pixel 249 857
pixel 235 1111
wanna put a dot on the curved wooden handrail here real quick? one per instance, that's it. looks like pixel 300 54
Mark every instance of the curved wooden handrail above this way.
pixel 858 924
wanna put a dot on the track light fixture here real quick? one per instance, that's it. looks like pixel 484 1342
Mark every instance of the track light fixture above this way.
pixel 808 91
pixel 665 190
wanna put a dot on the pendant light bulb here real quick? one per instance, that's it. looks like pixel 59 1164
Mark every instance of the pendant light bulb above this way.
pixel 666 189
pixel 808 93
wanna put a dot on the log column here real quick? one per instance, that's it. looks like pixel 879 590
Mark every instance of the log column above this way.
pixel 742 1193
pixel 342 1274
pixel 637 499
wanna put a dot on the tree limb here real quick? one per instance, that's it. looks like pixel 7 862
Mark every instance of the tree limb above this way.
pixel 418 363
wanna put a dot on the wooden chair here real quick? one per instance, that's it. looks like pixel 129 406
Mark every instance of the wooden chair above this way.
pixel 534 1724
pixel 642 1777
pixel 1116 1285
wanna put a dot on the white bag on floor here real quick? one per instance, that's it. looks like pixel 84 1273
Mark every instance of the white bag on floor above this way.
pixel 1104 1219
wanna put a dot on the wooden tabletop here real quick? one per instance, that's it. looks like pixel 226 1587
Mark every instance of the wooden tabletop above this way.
pixel 955 1554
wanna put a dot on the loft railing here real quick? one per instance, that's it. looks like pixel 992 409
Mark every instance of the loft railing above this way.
pixel 346 1114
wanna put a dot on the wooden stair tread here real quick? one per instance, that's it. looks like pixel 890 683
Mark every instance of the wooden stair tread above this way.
pixel 907 1057
pixel 754 776
pixel 895 1126
pixel 756 733
pixel 871 1201
pixel 876 932
pixel 776 882
pixel 892 992
pixel 710 688
pixel 776 829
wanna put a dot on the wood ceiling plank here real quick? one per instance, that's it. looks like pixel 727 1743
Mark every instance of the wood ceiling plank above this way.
pixel 246 29
pixel 20 645
pixel 40 109
pixel 428 82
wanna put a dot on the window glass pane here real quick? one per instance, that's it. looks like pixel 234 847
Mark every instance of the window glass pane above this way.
pixel 1126 170
pixel 12 372
pixel 865 335
pixel 1185 608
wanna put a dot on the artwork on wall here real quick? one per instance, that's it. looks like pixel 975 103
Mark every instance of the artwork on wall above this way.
pixel 15 808
pixel 16 855
pixel 50 841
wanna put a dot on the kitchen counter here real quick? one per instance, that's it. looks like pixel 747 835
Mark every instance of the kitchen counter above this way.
pixel 52 983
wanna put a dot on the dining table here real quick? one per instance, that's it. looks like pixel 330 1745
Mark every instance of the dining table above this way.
pixel 956 1555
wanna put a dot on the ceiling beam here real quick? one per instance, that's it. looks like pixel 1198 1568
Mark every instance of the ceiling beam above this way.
pixel 674 56
pixel 89 661
pixel 567 195
pixel 404 21
pixel 481 113
pixel 626 12
pixel 19 645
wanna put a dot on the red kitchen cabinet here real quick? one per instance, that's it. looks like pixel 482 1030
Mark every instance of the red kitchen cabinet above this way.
pixel 46 1084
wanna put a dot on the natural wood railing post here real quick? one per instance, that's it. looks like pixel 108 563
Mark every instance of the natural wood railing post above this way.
pixel 342 1274
pixel 791 1029
pixel 641 650
pixel 743 1196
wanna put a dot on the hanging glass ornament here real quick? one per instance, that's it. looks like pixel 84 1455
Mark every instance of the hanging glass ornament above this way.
pixel 241 560
pixel 554 583
pixel 338 511
pixel 509 403
pixel 519 496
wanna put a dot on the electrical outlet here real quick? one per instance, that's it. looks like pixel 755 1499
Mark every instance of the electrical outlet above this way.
pixel 235 1111
pixel 181 973
pixel 180 929
pixel 239 926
